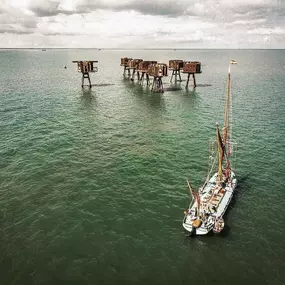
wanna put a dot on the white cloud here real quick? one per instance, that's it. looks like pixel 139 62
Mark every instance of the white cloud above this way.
pixel 268 31
pixel 142 23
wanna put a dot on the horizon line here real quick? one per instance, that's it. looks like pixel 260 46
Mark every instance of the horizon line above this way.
pixel 101 48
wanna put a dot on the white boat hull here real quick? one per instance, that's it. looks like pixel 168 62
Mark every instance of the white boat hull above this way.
pixel 214 201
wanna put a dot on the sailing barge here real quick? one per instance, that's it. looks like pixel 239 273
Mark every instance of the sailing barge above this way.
pixel 209 204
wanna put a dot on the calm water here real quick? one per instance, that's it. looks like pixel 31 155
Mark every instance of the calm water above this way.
pixel 93 184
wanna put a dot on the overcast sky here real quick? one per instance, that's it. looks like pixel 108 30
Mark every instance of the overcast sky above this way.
pixel 142 23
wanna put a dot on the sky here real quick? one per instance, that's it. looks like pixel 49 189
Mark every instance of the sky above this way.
pixel 142 24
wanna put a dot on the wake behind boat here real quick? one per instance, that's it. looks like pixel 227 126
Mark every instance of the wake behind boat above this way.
pixel 209 204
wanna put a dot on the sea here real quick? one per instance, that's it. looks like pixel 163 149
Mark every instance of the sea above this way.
pixel 93 182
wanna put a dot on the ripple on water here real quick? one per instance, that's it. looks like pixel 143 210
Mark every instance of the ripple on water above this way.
pixel 93 184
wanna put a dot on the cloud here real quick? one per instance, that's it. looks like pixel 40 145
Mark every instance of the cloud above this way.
pixel 145 7
pixel 64 34
pixel 14 30
pixel 48 8
pixel 266 31
pixel 17 20
pixel 144 23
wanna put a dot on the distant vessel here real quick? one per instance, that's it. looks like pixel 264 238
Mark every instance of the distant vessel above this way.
pixel 43 49
pixel 209 204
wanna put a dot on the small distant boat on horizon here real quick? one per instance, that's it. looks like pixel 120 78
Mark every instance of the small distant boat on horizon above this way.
pixel 209 204
pixel 43 49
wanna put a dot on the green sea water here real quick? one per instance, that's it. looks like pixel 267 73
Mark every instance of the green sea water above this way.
pixel 93 183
